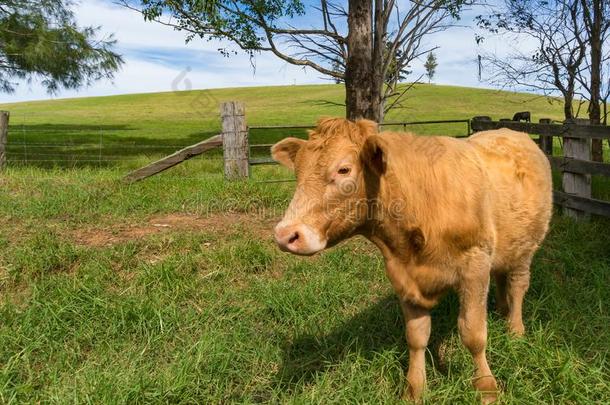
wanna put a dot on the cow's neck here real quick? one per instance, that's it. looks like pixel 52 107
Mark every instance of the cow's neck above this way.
pixel 397 238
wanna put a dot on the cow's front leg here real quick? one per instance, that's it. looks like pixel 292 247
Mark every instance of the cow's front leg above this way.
pixel 472 324
pixel 417 329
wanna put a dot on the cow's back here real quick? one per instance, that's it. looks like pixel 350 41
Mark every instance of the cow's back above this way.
pixel 521 192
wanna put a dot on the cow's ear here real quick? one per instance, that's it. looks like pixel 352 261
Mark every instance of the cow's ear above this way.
pixel 367 127
pixel 374 154
pixel 285 151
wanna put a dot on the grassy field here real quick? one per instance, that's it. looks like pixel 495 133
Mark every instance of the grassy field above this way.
pixel 171 290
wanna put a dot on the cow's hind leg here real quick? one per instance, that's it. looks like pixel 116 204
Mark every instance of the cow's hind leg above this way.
pixel 472 325
pixel 417 330
pixel 501 298
pixel 517 285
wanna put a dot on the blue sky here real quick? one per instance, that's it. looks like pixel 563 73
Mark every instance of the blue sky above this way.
pixel 157 59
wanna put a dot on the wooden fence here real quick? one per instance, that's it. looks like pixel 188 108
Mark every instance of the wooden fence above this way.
pixel 575 165
pixel 233 139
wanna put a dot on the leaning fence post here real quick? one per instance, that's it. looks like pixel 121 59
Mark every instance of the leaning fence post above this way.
pixel 576 183
pixel 546 141
pixel 4 116
pixel 235 140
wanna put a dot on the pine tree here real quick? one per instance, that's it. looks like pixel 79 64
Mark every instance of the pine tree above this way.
pixel 430 66
pixel 39 39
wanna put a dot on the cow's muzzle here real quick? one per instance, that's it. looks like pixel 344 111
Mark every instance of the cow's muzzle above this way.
pixel 298 238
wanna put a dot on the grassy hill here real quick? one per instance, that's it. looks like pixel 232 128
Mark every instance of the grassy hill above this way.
pixel 127 130
pixel 270 105
pixel 184 117
pixel 172 291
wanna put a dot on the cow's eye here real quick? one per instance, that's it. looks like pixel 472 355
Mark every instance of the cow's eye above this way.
pixel 344 170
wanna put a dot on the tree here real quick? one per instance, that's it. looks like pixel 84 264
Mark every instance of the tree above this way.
pixel 397 71
pixel 596 17
pixel 40 39
pixel 556 30
pixel 570 55
pixel 347 45
pixel 430 66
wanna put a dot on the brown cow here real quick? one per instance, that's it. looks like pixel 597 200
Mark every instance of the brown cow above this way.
pixel 445 213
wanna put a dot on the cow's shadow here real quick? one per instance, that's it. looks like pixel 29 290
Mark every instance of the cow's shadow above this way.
pixel 378 328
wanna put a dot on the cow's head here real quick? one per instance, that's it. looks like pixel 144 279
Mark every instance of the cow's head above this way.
pixel 333 168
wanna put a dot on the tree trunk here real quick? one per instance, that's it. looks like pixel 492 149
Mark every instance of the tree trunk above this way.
pixel 596 61
pixel 358 72
pixel 377 76
pixel 568 99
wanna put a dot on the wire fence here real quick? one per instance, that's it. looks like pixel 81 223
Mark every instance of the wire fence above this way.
pixel 33 142
pixel 71 135
pixel 459 128
pixel 69 146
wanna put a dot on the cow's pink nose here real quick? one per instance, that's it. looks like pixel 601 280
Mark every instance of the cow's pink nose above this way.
pixel 299 239
pixel 287 237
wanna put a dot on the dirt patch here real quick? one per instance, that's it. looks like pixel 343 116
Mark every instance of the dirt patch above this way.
pixel 222 223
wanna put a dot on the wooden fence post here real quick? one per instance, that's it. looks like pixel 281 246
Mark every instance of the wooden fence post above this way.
pixel 4 116
pixel 546 141
pixel 577 183
pixel 235 140
pixel 474 122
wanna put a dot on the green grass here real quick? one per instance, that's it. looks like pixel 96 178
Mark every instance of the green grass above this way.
pixel 101 301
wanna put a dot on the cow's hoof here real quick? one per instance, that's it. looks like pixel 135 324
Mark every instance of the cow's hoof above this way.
pixel 516 329
pixel 489 397
pixel 487 388
pixel 412 395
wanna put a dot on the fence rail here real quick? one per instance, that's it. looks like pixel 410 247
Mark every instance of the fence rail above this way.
pixel 571 130
pixel 581 204
pixel 572 165
pixel 404 124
